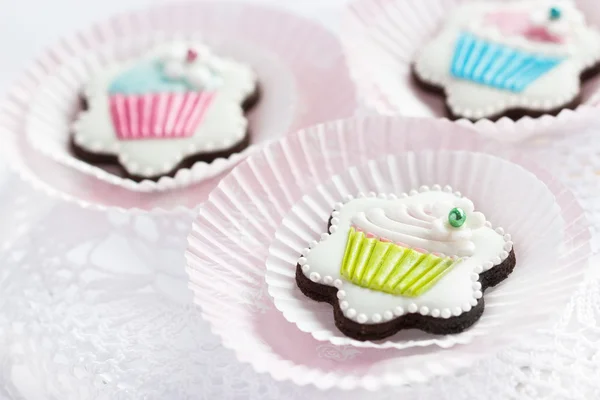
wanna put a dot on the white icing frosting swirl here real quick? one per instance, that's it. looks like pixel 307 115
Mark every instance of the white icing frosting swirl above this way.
pixel 570 19
pixel 201 72
pixel 423 227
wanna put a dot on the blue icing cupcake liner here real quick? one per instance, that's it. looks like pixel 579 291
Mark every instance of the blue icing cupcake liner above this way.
pixel 147 77
pixel 497 65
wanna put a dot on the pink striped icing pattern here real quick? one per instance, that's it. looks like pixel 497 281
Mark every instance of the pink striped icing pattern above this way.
pixel 157 116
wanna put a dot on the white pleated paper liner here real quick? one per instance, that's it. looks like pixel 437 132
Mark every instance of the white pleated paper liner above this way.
pixel 231 236
pixel 509 196
pixel 381 38
pixel 60 181
pixel 56 104
pixel 301 70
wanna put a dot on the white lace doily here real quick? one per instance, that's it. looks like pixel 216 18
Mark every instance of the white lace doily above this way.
pixel 95 305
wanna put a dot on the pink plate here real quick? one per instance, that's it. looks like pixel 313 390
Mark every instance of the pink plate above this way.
pixel 300 65
pixel 380 38
pixel 230 239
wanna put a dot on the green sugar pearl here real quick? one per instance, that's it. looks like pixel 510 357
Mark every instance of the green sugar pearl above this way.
pixel 457 217
pixel 554 13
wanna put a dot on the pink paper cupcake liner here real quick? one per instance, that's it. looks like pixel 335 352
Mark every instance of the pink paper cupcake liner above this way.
pixel 300 65
pixel 380 38
pixel 155 116
pixel 228 246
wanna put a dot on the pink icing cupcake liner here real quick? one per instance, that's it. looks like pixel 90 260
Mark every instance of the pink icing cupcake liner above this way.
pixel 380 38
pixel 155 116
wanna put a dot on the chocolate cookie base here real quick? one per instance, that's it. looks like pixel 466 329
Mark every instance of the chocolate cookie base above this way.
pixel 188 162
pixel 425 323
pixel 110 159
pixel 513 113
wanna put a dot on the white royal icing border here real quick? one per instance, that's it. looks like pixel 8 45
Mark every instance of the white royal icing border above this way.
pixel 350 310
pixel 223 127
pixel 555 89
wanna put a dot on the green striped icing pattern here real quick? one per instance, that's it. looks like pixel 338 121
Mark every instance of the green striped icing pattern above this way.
pixel 387 267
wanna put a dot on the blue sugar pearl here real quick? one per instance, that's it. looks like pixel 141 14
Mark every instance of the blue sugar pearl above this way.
pixel 554 13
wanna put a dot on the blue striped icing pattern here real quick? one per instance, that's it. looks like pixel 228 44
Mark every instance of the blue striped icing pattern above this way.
pixel 497 65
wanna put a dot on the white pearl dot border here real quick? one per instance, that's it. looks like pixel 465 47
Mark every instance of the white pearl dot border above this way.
pixel 511 101
pixel 119 150
pixel 412 308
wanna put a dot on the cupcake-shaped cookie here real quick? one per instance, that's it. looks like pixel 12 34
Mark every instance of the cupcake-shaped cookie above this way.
pixel 405 250
pixel 177 105
pixel 494 59
pixel 421 261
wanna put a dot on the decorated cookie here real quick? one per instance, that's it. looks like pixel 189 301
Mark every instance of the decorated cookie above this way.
pixel 494 59
pixel 177 105
pixel 420 260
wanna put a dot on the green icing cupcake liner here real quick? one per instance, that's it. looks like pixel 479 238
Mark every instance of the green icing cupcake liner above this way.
pixel 387 267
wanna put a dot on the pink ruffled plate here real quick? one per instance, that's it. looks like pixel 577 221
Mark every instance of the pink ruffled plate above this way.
pixel 230 239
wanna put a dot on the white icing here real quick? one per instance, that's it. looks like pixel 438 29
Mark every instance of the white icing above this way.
pixel 224 124
pixel 204 72
pixel 422 226
pixel 453 292
pixel 554 89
